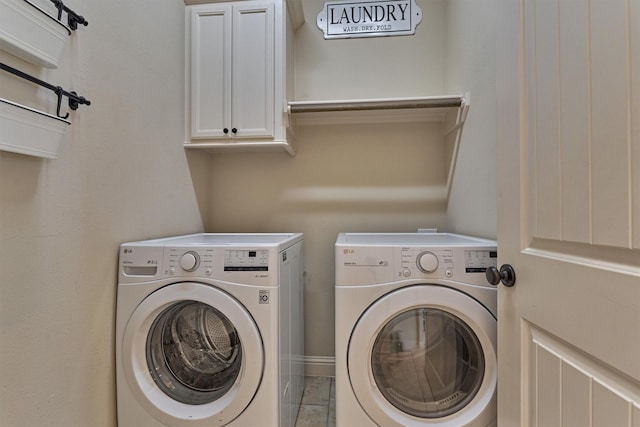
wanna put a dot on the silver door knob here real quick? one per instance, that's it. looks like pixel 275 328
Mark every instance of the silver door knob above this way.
pixel 506 275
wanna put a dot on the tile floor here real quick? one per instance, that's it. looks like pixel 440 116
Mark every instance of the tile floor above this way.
pixel 318 407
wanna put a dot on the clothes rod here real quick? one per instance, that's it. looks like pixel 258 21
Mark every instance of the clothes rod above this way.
pixel 73 19
pixel 74 99
pixel 374 104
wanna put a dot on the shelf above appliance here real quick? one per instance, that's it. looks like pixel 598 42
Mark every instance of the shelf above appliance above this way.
pixel 387 110
pixel 450 111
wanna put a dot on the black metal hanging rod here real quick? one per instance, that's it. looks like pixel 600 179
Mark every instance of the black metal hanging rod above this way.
pixel 74 99
pixel 73 19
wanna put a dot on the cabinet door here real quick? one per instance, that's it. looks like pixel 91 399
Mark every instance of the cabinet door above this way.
pixel 210 71
pixel 253 69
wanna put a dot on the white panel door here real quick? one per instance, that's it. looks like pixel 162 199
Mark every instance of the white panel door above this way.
pixel 210 65
pixel 569 212
pixel 253 69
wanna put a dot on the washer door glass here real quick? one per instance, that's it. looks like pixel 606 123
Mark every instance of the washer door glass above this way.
pixel 193 352
pixel 427 363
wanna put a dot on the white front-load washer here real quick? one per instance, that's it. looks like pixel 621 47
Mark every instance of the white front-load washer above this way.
pixel 209 331
pixel 415 330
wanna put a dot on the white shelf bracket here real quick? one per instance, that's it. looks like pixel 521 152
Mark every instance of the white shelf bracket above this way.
pixel 461 117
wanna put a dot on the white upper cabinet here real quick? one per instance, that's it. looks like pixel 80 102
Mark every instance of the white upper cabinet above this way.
pixel 236 75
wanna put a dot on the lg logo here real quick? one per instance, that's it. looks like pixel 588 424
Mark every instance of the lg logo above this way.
pixel 263 297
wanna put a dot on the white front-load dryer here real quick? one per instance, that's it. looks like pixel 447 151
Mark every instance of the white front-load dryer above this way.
pixel 209 331
pixel 415 330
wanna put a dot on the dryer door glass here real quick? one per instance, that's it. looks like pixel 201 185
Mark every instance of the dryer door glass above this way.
pixel 193 353
pixel 427 363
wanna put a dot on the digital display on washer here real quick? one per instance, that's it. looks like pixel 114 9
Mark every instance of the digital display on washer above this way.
pixel 477 261
pixel 246 260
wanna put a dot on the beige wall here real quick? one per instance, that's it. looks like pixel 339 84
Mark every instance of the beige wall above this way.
pixel 122 175
pixel 371 67
pixel 471 67
pixel 344 178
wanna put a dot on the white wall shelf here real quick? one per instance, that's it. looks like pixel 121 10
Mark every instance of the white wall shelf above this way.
pixel 30 33
pixel 451 111
pixel 29 131
pixel 432 108
pixel 376 104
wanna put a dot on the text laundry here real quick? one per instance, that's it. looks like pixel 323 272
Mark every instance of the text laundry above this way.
pixel 371 13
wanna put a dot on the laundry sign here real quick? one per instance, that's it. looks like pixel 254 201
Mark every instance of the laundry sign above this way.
pixel 339 19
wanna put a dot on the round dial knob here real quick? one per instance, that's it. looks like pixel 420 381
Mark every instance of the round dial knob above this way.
pixel 190 261
pixel 427 262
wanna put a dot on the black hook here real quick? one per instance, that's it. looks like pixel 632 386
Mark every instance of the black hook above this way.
pixel 60 92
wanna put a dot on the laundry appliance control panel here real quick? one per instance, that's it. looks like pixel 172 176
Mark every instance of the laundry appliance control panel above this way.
pixel 247 265
pixel 387 264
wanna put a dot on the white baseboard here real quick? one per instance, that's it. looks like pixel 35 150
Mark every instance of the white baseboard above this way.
pixel 320 366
